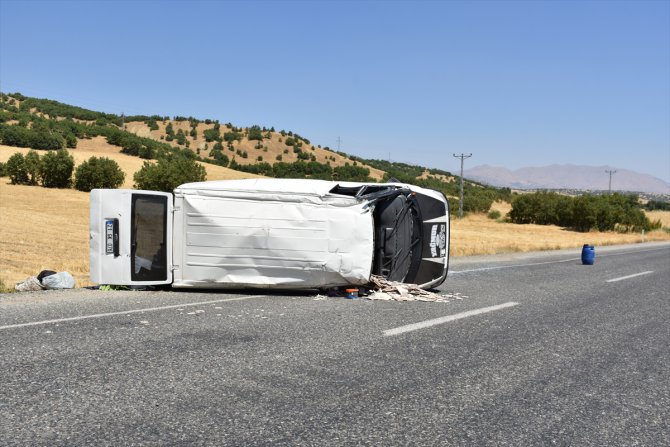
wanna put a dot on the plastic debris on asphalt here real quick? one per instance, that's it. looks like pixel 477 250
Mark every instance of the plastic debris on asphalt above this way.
pixel 29 285
pixel 47 279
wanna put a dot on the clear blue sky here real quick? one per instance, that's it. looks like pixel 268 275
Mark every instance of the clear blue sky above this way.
pixel 517 83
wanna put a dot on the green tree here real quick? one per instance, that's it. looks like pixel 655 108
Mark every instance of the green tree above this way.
pixel 168 173
pixel 352 173
pixel 232 136
pixel 16 169
pixel 221 158
pixel 98 173
pixel 212 135
pixel 584 213
pixel 56 169
pixel 70 140
pixel 255 133
pixel 32 160
pixel 181 137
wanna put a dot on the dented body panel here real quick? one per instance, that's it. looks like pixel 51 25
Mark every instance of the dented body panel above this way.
pixel 226 236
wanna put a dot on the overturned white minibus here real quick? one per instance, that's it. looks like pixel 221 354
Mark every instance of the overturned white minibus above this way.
pixel 269 233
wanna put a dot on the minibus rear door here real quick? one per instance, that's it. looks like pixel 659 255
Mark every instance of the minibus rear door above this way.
pixel 130 237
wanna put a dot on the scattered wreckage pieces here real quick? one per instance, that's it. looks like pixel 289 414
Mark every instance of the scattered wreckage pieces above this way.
pixel 385 290
pixel 47 279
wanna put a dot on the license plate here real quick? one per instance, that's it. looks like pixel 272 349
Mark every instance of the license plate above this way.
pixel 109 237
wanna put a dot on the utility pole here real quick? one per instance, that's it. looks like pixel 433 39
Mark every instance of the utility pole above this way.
pixel 460 204
pixel 610 173
pixel 338 144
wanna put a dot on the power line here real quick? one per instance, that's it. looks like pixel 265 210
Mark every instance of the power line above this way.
pixel 460 203
pixel 610 173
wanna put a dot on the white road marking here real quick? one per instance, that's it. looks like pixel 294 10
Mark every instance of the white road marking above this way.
pixel 629 276
pixel 605 255
pixel 448 318
pixel 127 312
pixel 484 269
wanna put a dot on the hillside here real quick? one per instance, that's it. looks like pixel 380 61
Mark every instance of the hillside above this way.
pixel 46 124
pixel 271 148
pixel 230 144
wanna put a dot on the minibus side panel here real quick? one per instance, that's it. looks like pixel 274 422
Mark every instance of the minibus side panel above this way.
pixel 260 239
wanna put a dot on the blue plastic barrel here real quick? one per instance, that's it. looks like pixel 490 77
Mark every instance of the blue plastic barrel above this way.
pixel 588 254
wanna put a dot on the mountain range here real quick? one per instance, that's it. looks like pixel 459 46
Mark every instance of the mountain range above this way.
pixel 593 178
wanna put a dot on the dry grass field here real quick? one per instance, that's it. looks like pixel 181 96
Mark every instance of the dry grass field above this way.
pixel 43 228
pixel 477 234
pixel 663 216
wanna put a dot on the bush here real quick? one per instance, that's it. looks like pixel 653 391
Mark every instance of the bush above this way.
pixel 98 173
pixel 613 212
pixel 168 173
pixel 653 205
pixel 353 173
pixel 219 156
pixel 32 160
pixel 2 169
pixel 494 214
pixel 255 133
pixel 56 169
pixel 70 141
pixel 212 135
pixel 34 138
pixel 16 169
pixel 477 200
pixel 181 137
pixel 232 136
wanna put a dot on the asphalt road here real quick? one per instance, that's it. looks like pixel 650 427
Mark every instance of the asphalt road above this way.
pixel 540 350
